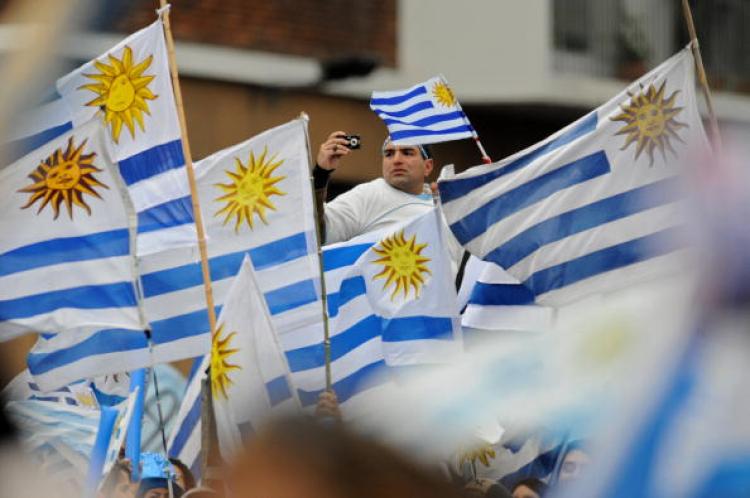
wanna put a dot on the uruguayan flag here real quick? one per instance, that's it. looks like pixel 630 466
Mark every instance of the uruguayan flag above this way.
pixel 249 374
pixel 185 440
pixel 67 259
pixel 130 86
pixel 423 114
pixel 23 387
pixel 596 205
pixel 499 302
pixel 391 302
pixel 257 200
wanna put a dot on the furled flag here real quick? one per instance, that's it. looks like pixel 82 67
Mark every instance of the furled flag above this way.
pixel 185 440
pixel 250 380
pixel 257 200
pixel 596 205
pixel 499 302
pixel 423 114
pixel 130 84
pixel 67 259
pixel 392 303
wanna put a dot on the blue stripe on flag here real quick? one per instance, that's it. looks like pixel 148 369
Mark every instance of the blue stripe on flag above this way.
pixel 453 189
pixel 117 295
pixel 65 250
pixel 604 260
pixel 101 342
pixel 225 266
pixel 169 214
pixel 485 294
pixel 531 192
pixel 419 106
pixel 181 326
pixel 398 135
pixel 583 218
pixel 348 290
pixel 152 162
pixel 18 148
pixel 343 256
pixel 397 99
pixel 429 120
pixel 291 296
pixel 415 328
pixel 313 356
pixel 348 386
pixel 278 390
pixel 186 428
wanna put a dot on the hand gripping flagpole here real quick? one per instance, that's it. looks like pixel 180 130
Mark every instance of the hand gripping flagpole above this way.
pixel 163 13
pixel 702 78
pixel 324 297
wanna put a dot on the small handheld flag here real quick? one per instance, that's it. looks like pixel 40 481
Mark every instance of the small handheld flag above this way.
pixel 423 114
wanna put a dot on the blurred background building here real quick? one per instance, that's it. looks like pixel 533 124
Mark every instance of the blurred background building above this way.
pixel 521 69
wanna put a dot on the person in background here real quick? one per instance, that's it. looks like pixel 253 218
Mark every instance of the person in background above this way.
pixel 157 474
pixel 118 483
pixel 183 477
pixel 529 488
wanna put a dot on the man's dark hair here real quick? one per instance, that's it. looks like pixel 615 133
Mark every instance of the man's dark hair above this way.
pixel 186 474
pixel 533 484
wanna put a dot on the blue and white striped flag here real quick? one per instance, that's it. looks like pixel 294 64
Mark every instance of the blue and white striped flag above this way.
pixel 67 259
pixel 499 302
pixel 392 303
pixel 23 387
pixel 185 440
pixel 595 206
pixel 257 200
pixel 250 379
pixel 131 85
pixel 423 114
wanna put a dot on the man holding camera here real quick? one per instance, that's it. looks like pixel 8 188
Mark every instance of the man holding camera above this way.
pixel 401 193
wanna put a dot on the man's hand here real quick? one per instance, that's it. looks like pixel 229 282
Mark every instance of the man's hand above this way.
pixel 328 406
pixel 332 150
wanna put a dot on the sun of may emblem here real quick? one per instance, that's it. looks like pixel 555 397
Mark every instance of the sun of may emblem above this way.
pixel 403 264
pixel 221 350
pixel 250 190
pixel 650 121
pixel 64 178
pixel 122 91
pixel 443 94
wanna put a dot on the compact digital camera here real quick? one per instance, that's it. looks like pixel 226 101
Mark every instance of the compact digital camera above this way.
pixel 353 141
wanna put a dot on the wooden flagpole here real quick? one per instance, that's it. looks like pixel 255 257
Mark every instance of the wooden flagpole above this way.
pixel 324 296
pixel 702 78
pixel 164 14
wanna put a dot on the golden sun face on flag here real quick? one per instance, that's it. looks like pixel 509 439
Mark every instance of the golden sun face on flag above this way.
pixel 650 121
pixel 221 350
pixel 403 264
pixel 250 189
pixel 65 177
pixel 122 91
pixel 443 95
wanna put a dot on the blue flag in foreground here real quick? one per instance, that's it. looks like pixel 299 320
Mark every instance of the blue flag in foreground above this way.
pixel 595 206
pixel 67 259
pixel 423 114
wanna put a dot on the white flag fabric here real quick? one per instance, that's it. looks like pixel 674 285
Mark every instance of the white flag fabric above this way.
pixel 423 114
pixel 185 440
pixel 249 375
pixel 67 258
pixel 597 205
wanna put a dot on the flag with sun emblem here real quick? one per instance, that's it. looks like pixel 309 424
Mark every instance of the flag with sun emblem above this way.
pixel 391 301
pixel 423 114
pixel 249 375
pixel 594 207
pixel 66 259
pixel 130 88
pixel 257 200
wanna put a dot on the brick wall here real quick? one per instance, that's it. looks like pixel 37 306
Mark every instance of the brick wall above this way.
pixel 314 28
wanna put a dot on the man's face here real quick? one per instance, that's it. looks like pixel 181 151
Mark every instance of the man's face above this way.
pixel 404 168
pixel 157 493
